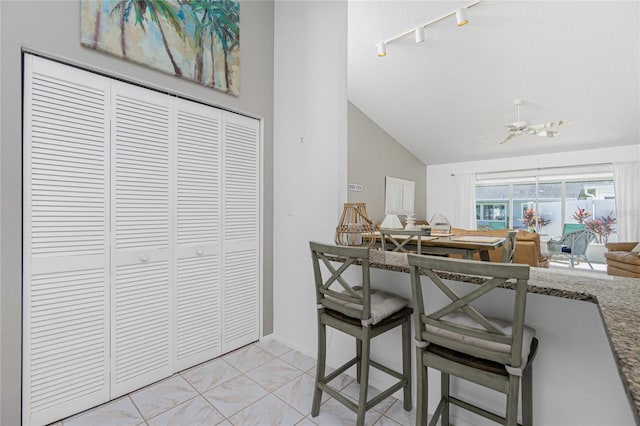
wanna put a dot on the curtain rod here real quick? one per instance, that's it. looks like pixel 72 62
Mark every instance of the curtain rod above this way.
pixel 543 168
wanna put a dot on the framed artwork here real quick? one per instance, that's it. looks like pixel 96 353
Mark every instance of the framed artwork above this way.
pixel 197 40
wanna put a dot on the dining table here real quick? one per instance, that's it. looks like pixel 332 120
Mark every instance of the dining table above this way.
pixel 450 244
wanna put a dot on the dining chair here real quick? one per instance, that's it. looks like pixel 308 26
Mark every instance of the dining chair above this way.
pixel 397 240
pixel 459 340
pixel 363 313
pixel 509 247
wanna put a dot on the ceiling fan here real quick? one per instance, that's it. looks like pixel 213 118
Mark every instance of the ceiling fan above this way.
pixel 520 127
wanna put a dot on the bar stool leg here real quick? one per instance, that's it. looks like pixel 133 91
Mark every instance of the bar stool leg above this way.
pixel 320 368
pixel 527 396
pixel 444 394
pixel 359 359
pixel 406 363
pixel 364 375
pixel 512 401
pixel 422 390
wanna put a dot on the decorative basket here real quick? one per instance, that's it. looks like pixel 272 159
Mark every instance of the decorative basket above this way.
pixel 355 228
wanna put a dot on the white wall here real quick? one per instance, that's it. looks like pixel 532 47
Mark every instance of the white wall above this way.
pixel 372 155
pixel 310 153
pixel 441 185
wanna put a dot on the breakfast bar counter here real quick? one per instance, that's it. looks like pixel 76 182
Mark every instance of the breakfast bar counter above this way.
pixel 617 300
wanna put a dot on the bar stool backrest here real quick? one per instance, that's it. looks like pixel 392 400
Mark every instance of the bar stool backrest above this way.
pixel 485 339
pixel 357 297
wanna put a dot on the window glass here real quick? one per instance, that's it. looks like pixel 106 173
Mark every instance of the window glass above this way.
pixel 492 207
pixel 549 205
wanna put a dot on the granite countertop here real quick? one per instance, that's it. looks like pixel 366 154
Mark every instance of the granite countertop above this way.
pixel 618 300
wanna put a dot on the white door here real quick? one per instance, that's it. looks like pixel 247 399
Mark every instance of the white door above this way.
pixel 141 271
pixel 198 263
pixel 241 231
pixel 65 244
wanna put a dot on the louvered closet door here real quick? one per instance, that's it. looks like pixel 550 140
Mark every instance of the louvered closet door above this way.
pixel 241 233
pixel 141 273
pixel 198 261
pixel 65 255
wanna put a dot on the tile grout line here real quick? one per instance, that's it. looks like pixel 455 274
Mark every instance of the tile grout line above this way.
pixel 136 407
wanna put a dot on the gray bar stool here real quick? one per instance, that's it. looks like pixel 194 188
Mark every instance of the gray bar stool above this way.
pixel 397 240
pixel 459 340
pixel 362 313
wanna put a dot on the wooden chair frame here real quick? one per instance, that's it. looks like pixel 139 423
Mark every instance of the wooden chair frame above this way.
pixel 389 235
pixel 357 323
pixel 509 247
pixel 507 382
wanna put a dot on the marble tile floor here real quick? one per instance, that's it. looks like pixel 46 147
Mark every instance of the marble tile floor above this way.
pixel 265 383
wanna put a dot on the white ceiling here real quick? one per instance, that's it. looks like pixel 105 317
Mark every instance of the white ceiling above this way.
pixel 567 60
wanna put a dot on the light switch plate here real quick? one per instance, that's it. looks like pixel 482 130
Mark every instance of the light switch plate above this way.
pixel 355 187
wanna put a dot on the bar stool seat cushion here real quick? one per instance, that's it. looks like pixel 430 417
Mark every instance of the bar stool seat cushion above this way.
pixel 462 318
pixel 479 363
pixel 383 304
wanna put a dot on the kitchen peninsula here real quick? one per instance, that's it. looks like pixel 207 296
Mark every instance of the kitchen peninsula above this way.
pixel 576 315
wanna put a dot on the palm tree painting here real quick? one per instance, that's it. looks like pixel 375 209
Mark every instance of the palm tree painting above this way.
pixel 194 39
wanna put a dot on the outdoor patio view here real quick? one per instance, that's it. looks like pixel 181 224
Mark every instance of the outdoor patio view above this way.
pixel 551 206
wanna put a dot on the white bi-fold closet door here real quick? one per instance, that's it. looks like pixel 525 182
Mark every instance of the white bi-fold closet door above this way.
pixel 141 237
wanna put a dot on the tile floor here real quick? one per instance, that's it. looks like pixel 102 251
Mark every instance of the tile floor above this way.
pixel 265 383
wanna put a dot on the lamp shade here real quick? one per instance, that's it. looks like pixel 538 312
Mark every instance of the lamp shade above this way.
pixel 382 49
pixel 355 228
pixel 391 221
pixel 461 17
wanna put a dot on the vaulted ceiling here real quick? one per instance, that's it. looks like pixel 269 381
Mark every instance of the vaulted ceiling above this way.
pixel 446 99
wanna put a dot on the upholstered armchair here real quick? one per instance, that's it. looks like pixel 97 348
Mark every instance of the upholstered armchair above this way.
pixel 621 261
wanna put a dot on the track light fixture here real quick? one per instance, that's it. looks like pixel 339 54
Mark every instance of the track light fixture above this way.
pixel 461 19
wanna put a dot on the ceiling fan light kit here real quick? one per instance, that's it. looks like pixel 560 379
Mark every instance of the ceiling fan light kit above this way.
pixel 520 127
pixel 461 20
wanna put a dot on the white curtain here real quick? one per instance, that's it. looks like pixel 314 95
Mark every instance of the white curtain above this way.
pixel 626 178
pixel 465 201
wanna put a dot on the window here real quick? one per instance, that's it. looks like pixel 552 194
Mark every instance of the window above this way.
pixel 547 202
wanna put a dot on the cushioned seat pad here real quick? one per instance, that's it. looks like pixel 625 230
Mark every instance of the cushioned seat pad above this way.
pixel 627 257
pixel 404 312
pixel 462 318
pixel 479 363
pixel 383 304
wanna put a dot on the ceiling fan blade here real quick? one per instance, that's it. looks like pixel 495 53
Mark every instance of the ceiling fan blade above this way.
pixel 548 124
pixel 509 137
pixel 547 133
